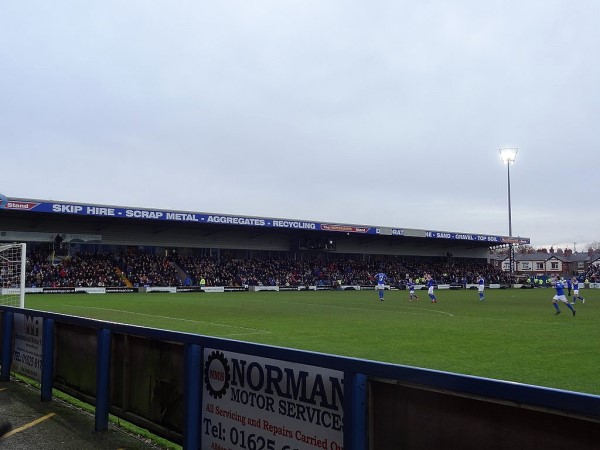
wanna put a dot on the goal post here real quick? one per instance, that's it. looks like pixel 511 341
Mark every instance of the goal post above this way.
pixel 13 259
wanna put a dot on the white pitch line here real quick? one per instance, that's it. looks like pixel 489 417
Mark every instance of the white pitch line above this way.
pixel 244 334
pixel 254 330
pixel 373 310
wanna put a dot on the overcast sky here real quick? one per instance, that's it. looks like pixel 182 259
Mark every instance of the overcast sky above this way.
pixel 387 113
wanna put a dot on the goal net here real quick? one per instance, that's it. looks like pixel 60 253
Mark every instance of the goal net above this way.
pixel 12 275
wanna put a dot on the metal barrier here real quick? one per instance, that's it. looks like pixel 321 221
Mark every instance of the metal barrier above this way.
pixel 204 392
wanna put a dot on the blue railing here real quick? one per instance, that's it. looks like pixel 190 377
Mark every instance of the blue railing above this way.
pixel 357 374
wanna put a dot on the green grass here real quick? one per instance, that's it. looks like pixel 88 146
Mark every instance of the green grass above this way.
pixel 513 335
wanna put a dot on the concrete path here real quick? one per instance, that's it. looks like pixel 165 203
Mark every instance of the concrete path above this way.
pixel 54 425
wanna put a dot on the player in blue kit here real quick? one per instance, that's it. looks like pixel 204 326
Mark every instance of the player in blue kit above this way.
pixel 481 287
pixel 380 279
pixel 560 296
pixel 410 285
pixel 576 295
pixel 430 286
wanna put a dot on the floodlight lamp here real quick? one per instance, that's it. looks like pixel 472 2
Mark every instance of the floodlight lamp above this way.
pixel 508 155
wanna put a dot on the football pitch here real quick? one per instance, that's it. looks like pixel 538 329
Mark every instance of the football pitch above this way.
pixel 513 335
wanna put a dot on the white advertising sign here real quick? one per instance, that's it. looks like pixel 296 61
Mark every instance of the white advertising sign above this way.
pixel 258 403
pixel 27 357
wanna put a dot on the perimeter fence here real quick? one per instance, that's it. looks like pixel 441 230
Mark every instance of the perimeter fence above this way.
pixel 208 393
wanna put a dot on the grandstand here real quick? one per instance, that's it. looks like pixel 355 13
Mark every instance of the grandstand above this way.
pixel 132 247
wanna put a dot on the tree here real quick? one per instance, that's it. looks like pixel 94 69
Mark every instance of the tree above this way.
pixel 524 249
pixel 594 246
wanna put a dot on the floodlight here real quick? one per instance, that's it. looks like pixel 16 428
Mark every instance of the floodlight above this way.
pixel 508 155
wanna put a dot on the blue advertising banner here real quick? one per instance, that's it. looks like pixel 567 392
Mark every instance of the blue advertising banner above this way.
pixel 476 237
pixel 81 209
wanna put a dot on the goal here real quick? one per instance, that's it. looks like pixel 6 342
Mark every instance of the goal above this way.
pixel 12 274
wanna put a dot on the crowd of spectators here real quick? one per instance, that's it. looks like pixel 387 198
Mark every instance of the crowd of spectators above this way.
pixel 78 270
pixel 142 269
pixel 593 273
pixel 316 272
